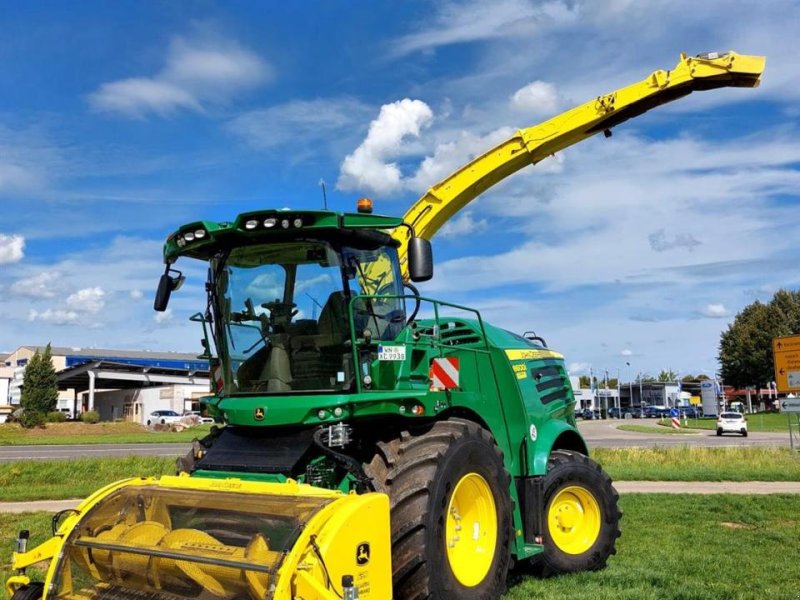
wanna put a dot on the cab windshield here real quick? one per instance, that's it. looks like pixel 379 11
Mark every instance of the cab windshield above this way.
pixel 283 322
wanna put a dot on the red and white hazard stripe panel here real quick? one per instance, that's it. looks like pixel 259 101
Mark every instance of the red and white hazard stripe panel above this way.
pixel 218 381
pixel 676 423
pixel 444 373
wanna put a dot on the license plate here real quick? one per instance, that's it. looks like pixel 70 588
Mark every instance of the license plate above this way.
pixel 391 352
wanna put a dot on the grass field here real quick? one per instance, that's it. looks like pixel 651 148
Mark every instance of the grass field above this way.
pixel 691 463
pixel 62 479
pixel 672 547
pixel 11 434
pixel 654 429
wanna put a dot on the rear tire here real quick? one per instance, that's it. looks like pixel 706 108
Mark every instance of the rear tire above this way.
pixel 581 519
pixel 449 476
pixel 32 591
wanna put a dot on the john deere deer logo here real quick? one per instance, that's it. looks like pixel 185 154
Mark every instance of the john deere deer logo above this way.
pixel 259 413
pixel 362 553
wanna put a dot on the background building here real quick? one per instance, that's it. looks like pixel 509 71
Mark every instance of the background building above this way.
pixel 119 384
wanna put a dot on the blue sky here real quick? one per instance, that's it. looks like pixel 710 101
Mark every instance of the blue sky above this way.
pixel 120 121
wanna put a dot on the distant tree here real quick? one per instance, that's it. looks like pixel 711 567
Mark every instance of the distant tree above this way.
pixel 647 378
pixel 584 381
pixel 611 384
pixel 40 383
pixel 689 378
pixel 745 348
pixel 665 376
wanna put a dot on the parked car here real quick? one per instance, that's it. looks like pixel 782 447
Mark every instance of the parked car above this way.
pixel 588 413
pixel 163 417
pixel 732 422
pixel 690 412
pixel 615 413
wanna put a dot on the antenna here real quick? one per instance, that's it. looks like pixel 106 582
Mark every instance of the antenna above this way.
pixel 324 194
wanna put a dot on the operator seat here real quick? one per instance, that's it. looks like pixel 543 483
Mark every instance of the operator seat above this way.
pixel 333 318
pixel 316 360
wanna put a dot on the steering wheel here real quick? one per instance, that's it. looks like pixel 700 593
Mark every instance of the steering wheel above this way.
pixel 276 306
pixel 280 313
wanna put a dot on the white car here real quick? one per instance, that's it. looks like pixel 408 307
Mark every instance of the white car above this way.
pixel 732 422
pixel 164 417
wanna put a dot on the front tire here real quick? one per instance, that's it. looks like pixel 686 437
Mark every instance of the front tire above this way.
pixel 451 512
pixel 719 432
pixel 581 515
pixel 32 591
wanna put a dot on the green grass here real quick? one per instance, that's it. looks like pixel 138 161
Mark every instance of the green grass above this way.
pixel 63 479
pixel 38 524
pixel 100 433
pixel 653 429
pixel 690 548
pixel 690 463
pixel 672 548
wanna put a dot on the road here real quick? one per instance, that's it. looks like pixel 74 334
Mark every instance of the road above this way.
pixel 598 434
pixel 11 453
pixel 604 434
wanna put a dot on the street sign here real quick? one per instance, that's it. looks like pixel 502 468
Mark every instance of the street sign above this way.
pixel 790 405
pixel 786 356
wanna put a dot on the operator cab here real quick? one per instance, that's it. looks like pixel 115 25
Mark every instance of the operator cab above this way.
pixel 285 310
pixel 287 307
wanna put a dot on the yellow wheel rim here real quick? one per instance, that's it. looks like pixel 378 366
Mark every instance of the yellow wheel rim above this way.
pixel 574 520
pixel 471 530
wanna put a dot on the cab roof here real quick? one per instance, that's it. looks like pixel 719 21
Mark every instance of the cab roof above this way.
pixel 203 239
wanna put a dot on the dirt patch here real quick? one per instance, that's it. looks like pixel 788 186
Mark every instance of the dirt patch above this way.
pixel 76 429
pixel 733 525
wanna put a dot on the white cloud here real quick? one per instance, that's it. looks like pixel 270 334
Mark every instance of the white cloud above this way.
pixel 578 368
pixel 15 178
pixel 626 352
pixel 90 300
pixel 537 99
pixel 660 243
pixel 460 22
pixel 163 317
pixel 462 225
pixel 43 285
pixel 715 311
pixel 54 316
pixel 136 97
pixel 321 118
pixel 136 294
pixel 197 72
pixel 367 168
pixel 12 248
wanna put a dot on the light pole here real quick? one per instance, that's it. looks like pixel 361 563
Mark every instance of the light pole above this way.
pixel 641 396
pixel 630 384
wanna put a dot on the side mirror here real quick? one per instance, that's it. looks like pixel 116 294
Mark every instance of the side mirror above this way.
pixel 420 259
pixel 166 285
pixel 163 293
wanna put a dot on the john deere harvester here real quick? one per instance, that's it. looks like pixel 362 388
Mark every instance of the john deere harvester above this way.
pixel 376 443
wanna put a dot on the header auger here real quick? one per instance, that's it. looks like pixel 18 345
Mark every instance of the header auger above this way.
pixel 367 451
